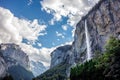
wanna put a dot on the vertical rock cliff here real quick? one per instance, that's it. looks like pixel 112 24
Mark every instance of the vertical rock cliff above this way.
pixel 2 67
pixel 13 55
pixel 59 55
pixel 14 61
pixel 102 21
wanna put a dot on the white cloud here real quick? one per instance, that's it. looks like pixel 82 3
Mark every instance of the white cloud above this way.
pixel 64 27
pixel 30 2
pixel 73 32
pixel 39 44
pixel 13 29
pixel 59 34
pixel 67 43
pixel 72 9
pixel 42 55
pixel 56 17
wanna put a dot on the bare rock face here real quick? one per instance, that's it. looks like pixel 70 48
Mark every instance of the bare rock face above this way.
pixel 2 67
pixel 63 55
pixel 103 21
pixel 59 55
pixel 13 55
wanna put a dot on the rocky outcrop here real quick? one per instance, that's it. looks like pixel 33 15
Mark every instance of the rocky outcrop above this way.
pixel 63 56
pixel 59 55
pixel 2 67
pixel 14 62
pixel 13 55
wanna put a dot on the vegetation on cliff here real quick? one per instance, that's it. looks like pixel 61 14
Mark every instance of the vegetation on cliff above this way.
pixel 7 77
pixel 55 73
pixel 104 67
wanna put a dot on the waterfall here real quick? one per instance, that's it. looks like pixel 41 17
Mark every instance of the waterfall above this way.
pixel 87 42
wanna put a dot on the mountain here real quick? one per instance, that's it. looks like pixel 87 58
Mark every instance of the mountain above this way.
pixel 37 68
pixel 91 34
pixel 15 62
pixel 59 64
pixel 2 67
pixel 13 55
pixel 20 73
pixel 102 22
pixel 59 55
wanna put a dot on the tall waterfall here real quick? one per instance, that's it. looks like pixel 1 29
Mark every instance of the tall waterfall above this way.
pixel 87 42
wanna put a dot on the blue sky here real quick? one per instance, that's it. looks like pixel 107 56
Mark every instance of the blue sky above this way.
pixel 39 26
pixel 21 9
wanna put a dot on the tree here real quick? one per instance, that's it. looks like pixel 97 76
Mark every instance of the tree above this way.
pixel 9 77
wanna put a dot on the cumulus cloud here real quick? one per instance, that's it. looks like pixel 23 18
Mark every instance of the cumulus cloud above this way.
pixel 72 9
pixel 64 27
pixel 14 30
pixel 56 17
pixel 39 44
pixel 42 55
pixel 59 34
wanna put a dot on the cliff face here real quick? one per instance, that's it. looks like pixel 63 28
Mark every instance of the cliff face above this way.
pixel 14 61
pixel 13 55
pixel 59 55
pixel 2 67
pixel 102 21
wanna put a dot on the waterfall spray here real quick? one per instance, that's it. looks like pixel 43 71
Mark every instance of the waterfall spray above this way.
pixel 87 42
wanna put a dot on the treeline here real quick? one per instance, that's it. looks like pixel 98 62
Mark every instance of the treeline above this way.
pixel 56 73
pixel 104 67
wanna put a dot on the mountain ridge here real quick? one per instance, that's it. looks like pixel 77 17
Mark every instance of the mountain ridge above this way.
pixel 13 58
